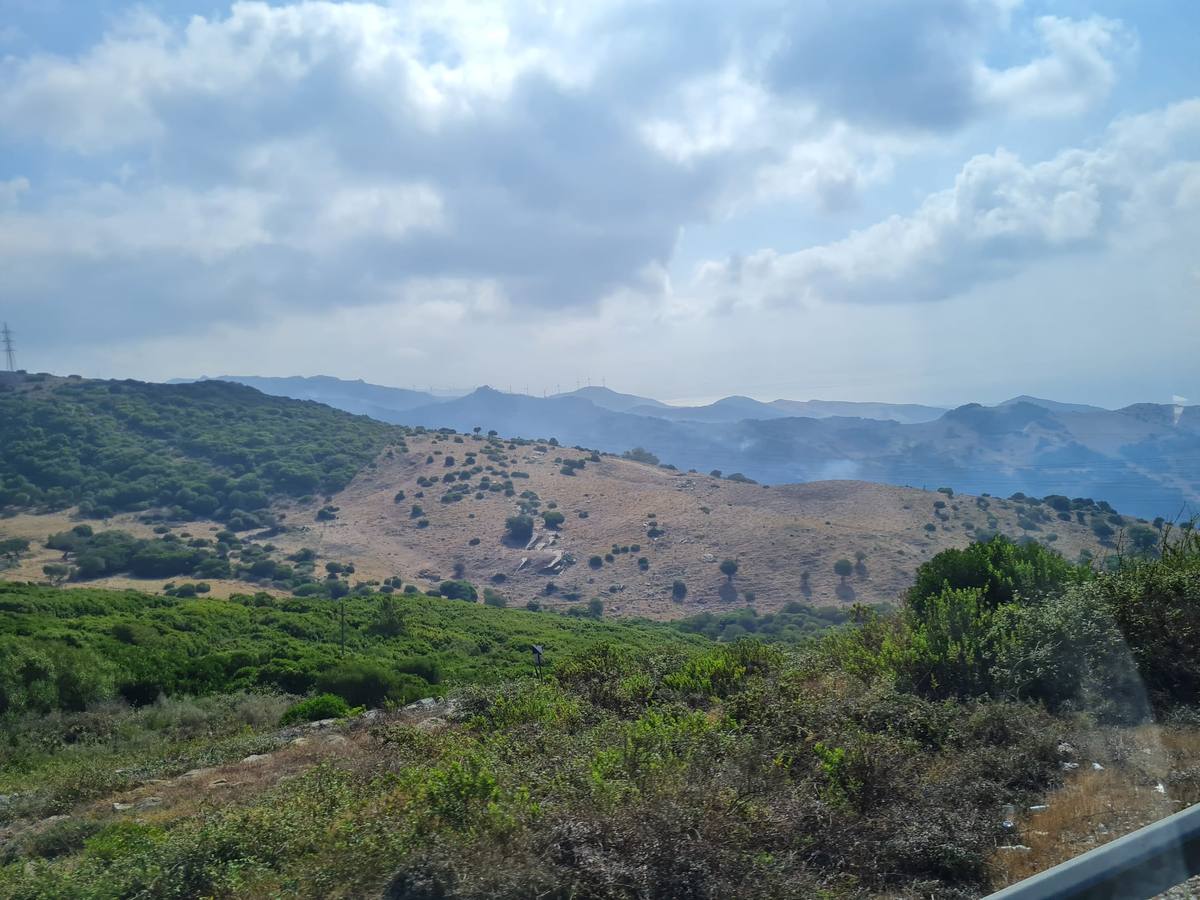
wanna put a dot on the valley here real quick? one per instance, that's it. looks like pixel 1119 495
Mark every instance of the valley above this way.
pixel 1141 459
pixel 248 629
pixel 422 506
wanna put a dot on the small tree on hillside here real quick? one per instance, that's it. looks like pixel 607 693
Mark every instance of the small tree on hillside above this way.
pixel 1143 540
pixel 458 590
pixel 56 572
pixel 642 455
pixel 388 620
pixel 678 590
pixel 553 518
pixel 519 528
pixel 860 564
pixel 843 568
pixel 729 568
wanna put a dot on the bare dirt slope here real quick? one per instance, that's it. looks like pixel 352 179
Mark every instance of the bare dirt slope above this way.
pixel 778 534
pixel 785 538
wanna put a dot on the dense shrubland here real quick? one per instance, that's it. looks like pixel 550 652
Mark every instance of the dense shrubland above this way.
pixel 792 624
pixel 66 649
pixel 211 449
pixel 735 771
pixel 874 758
pixel 1016 621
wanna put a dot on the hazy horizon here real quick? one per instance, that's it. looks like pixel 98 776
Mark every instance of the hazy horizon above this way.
pixel 703 400
pixel 938 203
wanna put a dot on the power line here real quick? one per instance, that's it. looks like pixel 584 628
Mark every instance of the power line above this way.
pixel 6 336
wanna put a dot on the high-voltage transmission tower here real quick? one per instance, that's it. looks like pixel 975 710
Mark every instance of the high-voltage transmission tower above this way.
pixel 6 338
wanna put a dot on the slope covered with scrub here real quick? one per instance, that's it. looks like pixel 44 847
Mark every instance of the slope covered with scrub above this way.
pixel 878 760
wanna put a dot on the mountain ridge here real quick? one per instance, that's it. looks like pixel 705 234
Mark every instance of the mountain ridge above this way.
pixel 1142 458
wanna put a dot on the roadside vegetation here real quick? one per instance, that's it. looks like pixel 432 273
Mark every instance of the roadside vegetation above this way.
pixel 873 758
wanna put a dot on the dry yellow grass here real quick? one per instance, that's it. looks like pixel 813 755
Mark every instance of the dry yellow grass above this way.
pixel 36 528
pixel 1096 806
pixel 776 534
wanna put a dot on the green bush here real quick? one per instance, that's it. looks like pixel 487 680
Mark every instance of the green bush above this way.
pixel 312 709
pixel 518 529
pixel 365 683
pixel 1000 569
pixel 458 589
pixel 642 455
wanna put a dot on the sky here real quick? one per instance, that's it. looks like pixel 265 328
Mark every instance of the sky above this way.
pixel 930 201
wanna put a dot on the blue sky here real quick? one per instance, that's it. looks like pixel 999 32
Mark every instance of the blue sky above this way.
pixel 931 201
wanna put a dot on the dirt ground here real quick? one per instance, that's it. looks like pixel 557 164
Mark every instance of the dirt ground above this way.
pixel 1116 780
pixel 785 538
pixel 776 534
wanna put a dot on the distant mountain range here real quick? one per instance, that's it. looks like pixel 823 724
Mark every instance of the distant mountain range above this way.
pixel 606 398
pixel 1144 459
pixel 358 397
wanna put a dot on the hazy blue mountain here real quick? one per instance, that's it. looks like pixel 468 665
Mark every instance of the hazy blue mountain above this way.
pixel 907 413
pixel 727 409
pixel 572 420
pixel 607 398
pixel 357 396
pixel 1055 405
pixel 1144 459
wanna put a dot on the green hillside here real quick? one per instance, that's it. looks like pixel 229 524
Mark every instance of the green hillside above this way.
pixel 64 649
pixel 209 449
pixel 876 760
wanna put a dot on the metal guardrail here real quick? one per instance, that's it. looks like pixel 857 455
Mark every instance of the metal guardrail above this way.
pixel 1138 865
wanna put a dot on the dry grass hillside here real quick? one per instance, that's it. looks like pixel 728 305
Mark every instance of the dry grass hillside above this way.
pixel 785 538
pixel 649 526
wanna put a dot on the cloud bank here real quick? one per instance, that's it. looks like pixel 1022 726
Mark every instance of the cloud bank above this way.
pixel 529 168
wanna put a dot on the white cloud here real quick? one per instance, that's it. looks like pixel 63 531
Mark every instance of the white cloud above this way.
pixel 455 178
pixel 1079 69
pixel 922 66
pixel 1000 213
pixel 107 221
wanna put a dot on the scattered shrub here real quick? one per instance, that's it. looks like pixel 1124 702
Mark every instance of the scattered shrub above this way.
pixel 322 706
pixel 519 529
pixel 458 589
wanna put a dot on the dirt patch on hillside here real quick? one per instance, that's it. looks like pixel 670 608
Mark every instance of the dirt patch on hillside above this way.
pixel 785 538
